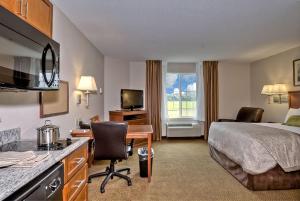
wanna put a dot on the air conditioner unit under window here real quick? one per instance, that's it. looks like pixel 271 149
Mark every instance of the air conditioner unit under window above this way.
pixel 175 129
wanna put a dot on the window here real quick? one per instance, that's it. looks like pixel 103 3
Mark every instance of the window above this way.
pixel 181 95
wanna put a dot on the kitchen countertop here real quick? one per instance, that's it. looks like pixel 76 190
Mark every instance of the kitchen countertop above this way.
pixel 12 179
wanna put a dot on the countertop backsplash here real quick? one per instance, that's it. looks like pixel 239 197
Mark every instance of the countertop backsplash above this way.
pixel 10 135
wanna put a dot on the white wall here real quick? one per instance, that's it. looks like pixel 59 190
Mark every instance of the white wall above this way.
pixel 137 76
pixel 78 57
pixel 121 74
pixel 272 70
pixel 116 77
pixel 234 88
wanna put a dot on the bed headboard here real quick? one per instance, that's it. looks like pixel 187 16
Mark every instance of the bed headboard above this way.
pixel 294 99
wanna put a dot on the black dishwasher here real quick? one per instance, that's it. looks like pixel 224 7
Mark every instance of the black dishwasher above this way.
pixel 47 186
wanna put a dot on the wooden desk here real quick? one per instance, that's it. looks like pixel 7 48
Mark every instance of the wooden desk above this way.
pixel 142 132
pixel 82 133
pixel 133 132
pixel 136 117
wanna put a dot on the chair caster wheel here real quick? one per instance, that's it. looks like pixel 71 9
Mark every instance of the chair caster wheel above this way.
pixel 102 190
pixel 129 183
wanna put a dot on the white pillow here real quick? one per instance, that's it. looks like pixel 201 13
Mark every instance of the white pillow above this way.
pixel 291 112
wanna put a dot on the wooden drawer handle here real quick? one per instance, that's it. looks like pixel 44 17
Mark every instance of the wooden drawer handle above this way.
pixel 78 183
pixel 78 160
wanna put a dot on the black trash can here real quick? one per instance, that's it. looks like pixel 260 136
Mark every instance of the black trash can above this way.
pixel 143 160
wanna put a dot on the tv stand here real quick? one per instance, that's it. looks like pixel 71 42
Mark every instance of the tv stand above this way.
pixel 135 117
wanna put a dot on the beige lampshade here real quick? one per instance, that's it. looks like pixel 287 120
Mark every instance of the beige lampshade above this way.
pixel 87 83
pixel 279 89
pixel 267 89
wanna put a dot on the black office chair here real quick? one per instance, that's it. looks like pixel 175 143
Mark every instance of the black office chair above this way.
pixel 83 125
pixel 247 114
pixel 110 144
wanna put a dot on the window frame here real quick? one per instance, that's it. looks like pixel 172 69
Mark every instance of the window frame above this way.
pixel 180 98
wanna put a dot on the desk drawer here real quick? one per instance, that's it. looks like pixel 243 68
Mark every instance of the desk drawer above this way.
pixel 74 187
pixel 137 122
pixel 75 161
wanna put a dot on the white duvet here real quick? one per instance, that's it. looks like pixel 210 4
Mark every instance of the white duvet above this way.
pixel 281 126
pixel 257 148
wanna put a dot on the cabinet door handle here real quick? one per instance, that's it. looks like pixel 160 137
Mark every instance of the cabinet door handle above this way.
pixel 26 14
pixel 20 12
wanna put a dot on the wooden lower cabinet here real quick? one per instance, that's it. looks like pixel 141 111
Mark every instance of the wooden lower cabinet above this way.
pixel 75 161
pixel 83 195
pixel 76 175
pixel 76 184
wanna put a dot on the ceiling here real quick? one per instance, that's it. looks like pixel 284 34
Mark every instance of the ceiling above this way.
pixel 187 30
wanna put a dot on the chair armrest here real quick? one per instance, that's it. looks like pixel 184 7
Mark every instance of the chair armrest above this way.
pixel 226 120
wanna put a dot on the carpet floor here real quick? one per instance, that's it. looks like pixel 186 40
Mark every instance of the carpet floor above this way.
pixel 182 170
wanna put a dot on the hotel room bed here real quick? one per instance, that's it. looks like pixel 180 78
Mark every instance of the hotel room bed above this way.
pixel 263 156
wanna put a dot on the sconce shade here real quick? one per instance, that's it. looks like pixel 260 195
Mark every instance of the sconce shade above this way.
pixel 279 89
pixel 87 83
pixel 267 89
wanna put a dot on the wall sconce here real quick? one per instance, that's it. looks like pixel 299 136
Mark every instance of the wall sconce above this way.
pixel 279 89
pixel 275 89
pixel 88 85
pixel 267 90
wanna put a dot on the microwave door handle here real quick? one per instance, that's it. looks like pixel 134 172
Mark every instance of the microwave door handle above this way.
pixel 48 82
pixel 54 69
pixel 52 78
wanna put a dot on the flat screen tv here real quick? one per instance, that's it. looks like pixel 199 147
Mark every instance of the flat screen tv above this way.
pixel 132 99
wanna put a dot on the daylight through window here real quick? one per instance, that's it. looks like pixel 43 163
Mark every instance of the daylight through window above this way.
pixel 181 95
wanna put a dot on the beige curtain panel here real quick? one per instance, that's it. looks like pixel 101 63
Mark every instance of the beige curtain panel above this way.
pixel 154 95
pixel 210 74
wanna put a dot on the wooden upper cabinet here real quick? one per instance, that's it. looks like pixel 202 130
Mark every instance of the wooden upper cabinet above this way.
pixel 13 6
pixel 37 13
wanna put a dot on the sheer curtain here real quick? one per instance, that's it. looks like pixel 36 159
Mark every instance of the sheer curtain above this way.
pixel 200 114
pixel 200 93
pixel 164 101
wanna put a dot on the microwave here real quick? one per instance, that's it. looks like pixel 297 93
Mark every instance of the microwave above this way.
pixel 29 59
